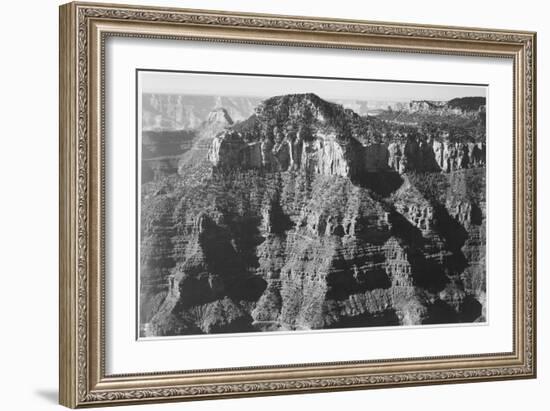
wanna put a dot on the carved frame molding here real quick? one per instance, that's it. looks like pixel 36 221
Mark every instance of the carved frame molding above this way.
pixel 83 30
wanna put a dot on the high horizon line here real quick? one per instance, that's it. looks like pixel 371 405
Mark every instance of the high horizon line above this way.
pixel 264 86
pixel 266 97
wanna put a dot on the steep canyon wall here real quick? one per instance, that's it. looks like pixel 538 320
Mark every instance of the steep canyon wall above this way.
pixel 283 231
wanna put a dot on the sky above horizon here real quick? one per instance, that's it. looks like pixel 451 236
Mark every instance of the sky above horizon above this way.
pixel 268 86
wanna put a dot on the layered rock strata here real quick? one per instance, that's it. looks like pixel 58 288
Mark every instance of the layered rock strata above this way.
pixel 282 234
pixel 329 147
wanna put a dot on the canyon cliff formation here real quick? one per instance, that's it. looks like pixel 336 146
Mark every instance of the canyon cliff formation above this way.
pixel 306 215
pixel 170 112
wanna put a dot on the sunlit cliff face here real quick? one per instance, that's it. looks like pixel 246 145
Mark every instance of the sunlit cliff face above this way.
pixel 300 218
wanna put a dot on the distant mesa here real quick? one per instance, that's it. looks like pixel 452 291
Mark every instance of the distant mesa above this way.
pixel 173 112
pixel 456 106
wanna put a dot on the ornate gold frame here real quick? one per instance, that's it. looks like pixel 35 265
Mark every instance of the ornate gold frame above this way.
pixel 83 30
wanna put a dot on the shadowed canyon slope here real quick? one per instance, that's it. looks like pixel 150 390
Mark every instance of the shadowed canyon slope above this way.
pixel 306 215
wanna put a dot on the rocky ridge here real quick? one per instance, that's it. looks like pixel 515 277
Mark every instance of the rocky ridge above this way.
pixel 320 136
pixel 466 106
pixel 171 112
pixel 288 231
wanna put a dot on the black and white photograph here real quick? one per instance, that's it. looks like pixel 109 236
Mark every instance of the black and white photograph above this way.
pixel 270 203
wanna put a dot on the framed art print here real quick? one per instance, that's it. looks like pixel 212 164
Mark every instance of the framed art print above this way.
pixel 258 204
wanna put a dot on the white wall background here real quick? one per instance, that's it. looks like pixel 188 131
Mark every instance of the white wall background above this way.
pixel 29 187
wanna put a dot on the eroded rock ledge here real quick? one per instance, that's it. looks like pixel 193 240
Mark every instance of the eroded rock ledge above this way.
pixel 281 236
pixel 330 143
pixel 326 155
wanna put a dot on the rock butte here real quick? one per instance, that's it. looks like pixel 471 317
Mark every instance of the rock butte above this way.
pixel 293 219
